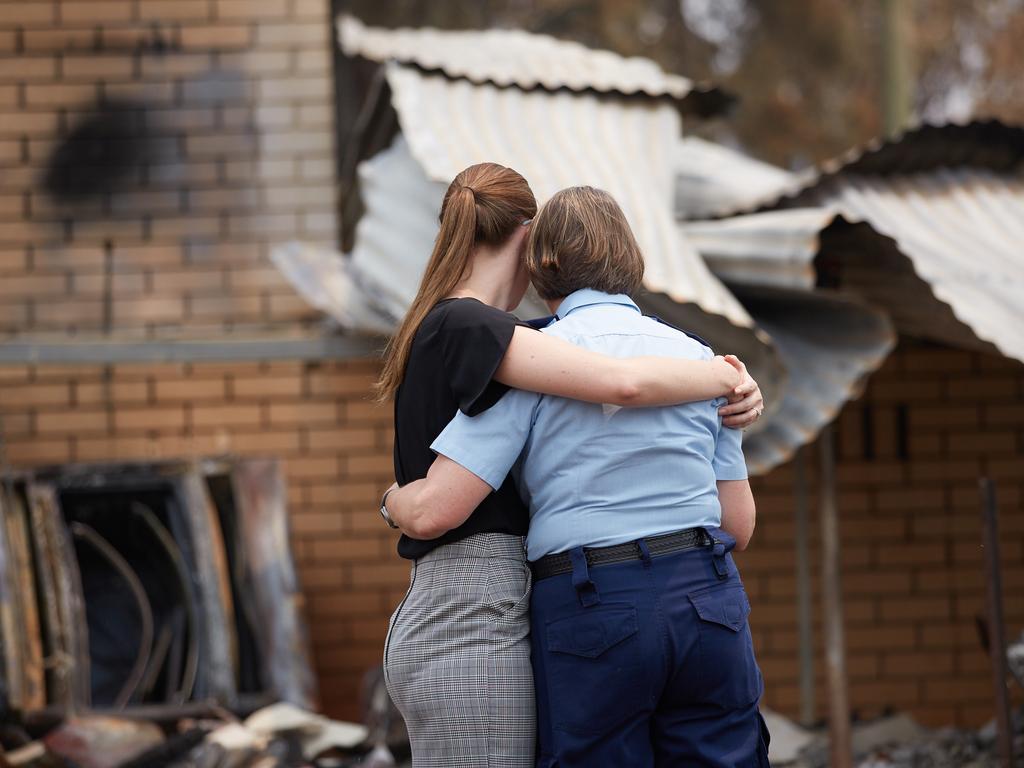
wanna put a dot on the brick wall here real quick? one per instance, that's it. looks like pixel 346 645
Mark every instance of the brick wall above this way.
pixel 231 111
pixel 909 454
pixel 913 577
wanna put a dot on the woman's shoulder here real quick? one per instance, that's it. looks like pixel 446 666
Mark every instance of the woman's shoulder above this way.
pixel 462 314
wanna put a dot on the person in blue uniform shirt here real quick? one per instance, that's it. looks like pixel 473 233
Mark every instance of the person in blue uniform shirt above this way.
pixel 641 650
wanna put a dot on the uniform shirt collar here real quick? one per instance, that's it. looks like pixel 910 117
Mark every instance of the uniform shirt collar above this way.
pixel 586 297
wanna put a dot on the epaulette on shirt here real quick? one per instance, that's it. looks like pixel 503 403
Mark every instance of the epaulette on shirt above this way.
pixel 693 336
pixel 540 322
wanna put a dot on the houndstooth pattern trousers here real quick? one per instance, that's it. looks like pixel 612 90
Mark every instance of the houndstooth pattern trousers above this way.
pixel 457 656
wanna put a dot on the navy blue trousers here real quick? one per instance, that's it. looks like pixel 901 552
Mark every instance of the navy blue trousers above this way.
pixel 647 663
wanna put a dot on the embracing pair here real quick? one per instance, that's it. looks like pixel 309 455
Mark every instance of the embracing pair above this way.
pixel 611 442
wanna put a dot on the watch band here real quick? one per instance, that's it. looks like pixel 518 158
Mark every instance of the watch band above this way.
pixel 384 510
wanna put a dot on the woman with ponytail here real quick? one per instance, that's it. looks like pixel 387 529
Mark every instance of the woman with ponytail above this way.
pixel 457 655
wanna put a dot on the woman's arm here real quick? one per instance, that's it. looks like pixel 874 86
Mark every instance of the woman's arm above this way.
pixel 444 499
pixel 738 510
pixel 537 362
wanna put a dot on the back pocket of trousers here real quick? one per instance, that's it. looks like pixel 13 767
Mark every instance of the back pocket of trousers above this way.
pixel 595 670
pixel 728 675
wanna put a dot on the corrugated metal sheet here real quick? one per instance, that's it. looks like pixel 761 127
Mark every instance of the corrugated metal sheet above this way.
pixel 513 58
pixel 563 139
pixel 829 342
pixel 950 201
pixel 711 179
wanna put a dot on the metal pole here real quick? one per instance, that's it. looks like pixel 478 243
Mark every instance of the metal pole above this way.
pixel 808 705
pixel 832 604
pixel 896 84
pixel 996 628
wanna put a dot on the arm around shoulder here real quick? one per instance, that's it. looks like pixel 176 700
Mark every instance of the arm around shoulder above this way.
pixel 537 362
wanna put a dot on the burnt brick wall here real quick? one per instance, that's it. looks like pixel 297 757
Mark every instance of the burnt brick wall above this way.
pixel 912 563
pixel 910 452
pixel 222 116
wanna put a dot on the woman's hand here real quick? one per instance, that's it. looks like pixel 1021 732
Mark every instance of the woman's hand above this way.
pixel 745 402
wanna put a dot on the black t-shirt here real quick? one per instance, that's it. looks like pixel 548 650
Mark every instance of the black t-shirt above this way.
pixel 457 349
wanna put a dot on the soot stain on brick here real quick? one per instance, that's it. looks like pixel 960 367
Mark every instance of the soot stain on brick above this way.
pixel 101 154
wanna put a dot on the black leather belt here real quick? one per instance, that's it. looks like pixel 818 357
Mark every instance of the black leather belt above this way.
pixel 666 543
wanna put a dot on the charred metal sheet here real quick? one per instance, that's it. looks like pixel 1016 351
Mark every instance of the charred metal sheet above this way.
pixel 516 59
pixel 218 646
pixel 19 612
pixel 261 507
pixel 65 623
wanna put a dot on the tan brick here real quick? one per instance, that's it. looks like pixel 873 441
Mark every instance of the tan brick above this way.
pixel 313 60
pixel 70 422
pixel 28 13
pixel 178 65
pixel 252 9
pixel 304 413
pixel 8 98
pixel 311 9
pixel 38 124
pixel 276 387
pixel 148 255
pixel 225 307
pixel 225 198
pixel 151 309
pixel 166 282
pixel 56 40
pixel 82 313
pixel 164 10
pixel 162 419
pixel 104 66
pixel 34 451
pixel 27 69
pixel 221 145
pixel 190 390
pixel 58 94
pixel 218 36
pixel 294 88
pixel 257 62
pixel 34 395
pixel 205 416
pixel 297 142
pixel 311 34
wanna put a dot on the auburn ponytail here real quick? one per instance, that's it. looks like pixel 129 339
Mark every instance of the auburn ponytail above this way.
pixel 484 204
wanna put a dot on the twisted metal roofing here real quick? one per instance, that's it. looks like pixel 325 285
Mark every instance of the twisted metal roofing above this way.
pixel 711 179
pixel 513 58
pixel 949 201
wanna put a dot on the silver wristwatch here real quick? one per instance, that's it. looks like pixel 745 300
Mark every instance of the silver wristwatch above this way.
pixel 384 510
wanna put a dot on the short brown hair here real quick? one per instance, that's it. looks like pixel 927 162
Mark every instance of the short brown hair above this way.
pixel 581 239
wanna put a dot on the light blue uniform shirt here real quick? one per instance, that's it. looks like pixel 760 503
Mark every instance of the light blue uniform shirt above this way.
pixel 598 475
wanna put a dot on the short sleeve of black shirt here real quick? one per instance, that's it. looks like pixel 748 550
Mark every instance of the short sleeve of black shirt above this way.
pixel 455 353
pixel 474 340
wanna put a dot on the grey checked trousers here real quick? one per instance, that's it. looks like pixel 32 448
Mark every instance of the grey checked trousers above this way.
pixel 457 656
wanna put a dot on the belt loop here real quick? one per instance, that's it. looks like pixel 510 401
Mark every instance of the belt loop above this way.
pixel 718 560
pixel 645 552
pixel 586 589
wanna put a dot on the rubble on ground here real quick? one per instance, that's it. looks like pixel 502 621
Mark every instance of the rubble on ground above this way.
pixel 896 741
